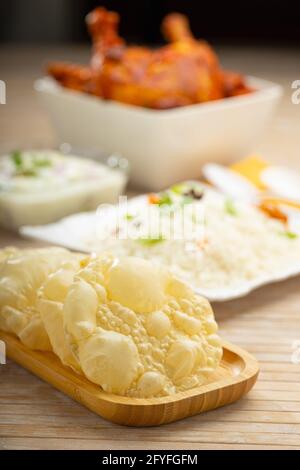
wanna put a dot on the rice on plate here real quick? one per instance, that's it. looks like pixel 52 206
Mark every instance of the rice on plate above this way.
pixel 235 248
pixel 225 248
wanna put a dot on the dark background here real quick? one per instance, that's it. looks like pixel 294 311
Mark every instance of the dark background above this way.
pixel 232 21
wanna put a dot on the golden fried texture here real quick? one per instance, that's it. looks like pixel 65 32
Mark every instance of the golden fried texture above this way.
pixel 185 71
pixel 127 324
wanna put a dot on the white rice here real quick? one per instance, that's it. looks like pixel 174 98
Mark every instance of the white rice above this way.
pixel 240 249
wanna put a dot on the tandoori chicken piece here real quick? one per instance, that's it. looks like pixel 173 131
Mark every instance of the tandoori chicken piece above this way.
pixel 75 77
pixel 185 71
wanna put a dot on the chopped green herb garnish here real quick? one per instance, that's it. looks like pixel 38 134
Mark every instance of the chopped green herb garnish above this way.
pixel 165 199
pixel 178 188
pixel 17 158
pixel 290 235
pixel 30 165
pixel 41 162
pixel 129 217
pixel 151 240
pixel 230 207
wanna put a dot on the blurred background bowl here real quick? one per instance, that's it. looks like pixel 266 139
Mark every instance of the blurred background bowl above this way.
pixel 162 146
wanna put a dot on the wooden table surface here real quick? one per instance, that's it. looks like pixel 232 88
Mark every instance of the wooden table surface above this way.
pixel 35 416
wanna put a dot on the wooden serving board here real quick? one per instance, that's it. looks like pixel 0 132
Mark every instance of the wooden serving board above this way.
pixel 234 378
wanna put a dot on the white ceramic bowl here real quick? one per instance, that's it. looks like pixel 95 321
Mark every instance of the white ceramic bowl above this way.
pixel 167 146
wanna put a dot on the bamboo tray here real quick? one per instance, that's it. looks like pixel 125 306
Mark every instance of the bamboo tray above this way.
pixel 234 378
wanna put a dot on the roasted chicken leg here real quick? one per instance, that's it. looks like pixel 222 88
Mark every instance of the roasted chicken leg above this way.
pixel 184 72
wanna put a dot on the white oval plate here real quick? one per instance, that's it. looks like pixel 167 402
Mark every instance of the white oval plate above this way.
pixel 73 232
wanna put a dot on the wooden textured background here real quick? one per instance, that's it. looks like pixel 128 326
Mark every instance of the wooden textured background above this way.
pixel 35 416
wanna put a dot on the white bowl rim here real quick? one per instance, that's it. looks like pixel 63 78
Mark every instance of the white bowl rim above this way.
pixel 265 90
